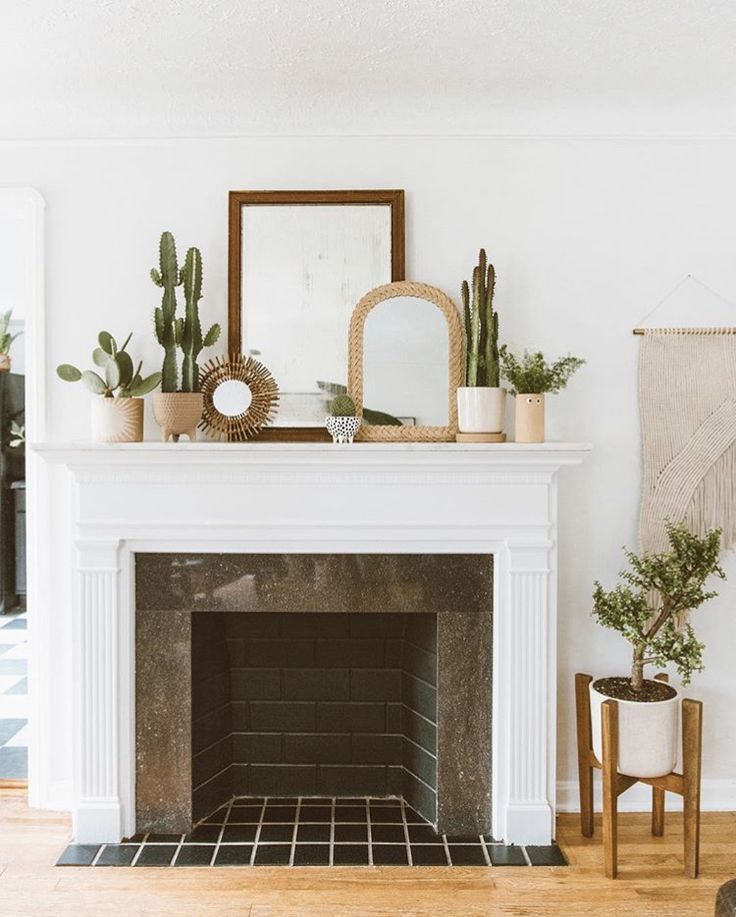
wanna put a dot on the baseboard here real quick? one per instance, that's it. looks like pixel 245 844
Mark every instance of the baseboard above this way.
pixel 715 796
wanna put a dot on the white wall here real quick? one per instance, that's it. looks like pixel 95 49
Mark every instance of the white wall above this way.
pixel 586 235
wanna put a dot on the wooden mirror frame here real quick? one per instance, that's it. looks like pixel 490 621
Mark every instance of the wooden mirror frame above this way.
pixel 455 363
pixel 393 198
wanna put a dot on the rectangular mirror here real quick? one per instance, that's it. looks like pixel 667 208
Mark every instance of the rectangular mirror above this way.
pixel 299 262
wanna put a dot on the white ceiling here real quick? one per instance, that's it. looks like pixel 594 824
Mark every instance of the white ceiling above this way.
pixel 155 68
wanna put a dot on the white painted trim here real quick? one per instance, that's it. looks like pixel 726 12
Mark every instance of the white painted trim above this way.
pixel 274 498
pixel 40 790
pixel 715 796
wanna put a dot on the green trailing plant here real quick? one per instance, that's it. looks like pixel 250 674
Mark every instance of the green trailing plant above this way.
pixel 117 376
pixel 168 331
pixel 532 375
pixel 17 436
pixel 649 608
pixel 173 331
pixel 6 338
pixel 342 406
pixel 481 326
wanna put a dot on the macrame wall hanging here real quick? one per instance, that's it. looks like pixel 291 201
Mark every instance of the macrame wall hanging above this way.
pixel 687 406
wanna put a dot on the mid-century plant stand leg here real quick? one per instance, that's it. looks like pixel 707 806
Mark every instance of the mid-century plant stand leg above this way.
pixel 686 784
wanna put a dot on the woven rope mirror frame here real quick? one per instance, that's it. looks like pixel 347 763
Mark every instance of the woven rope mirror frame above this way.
pixel 434 296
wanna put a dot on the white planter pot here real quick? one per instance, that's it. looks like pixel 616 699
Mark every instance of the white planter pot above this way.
pixel 342 429
pixel 647 734
pixel 117 420
pixel 481 409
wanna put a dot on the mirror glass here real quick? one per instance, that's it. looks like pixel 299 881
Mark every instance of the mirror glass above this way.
pixel 405 352
pixel 232 398
pixel 304 267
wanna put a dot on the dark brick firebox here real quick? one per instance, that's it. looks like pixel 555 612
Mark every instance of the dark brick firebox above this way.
pixel 349 675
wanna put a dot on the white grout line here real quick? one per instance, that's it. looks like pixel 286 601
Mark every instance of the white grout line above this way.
pixel 526 856
pixel 138 851
pixel 98 855
pixel 332 832
pixel 178 850
pixel 406 834
pixel 447 850
pixel 370 833
pixel 222 831
pixel 486 854
pixel 292 852
pixel 258 832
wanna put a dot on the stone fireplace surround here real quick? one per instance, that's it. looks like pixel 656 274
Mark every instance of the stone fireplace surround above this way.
pixel 313 675
pixel 316 498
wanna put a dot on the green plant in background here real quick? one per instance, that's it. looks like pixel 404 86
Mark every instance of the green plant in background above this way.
pixel 481 326
pixel 375 418
pixel 648 609
pixel 192 342
pixel 118 374
pixel 172 331
pixel 168 331
pixel 17 434
pixel 6 338
pixel 532 375
pixel 342 406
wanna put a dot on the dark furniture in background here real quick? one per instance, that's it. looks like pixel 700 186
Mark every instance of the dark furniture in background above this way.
pixel 12 496
pixel 726 900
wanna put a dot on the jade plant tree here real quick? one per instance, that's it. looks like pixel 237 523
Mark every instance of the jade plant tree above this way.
pixel 175 332
pixel 117 377
pixel 650 607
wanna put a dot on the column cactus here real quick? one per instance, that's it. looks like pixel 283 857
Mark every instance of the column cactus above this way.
pixel 168 330
pixel 481 326
pixel 191 340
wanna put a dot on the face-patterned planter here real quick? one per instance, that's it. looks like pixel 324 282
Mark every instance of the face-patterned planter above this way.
pixel 117 420
pixel 342 429
pixel 178 413
pixel 529 418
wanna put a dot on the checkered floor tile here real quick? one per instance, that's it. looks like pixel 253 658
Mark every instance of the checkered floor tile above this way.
pixel 308 831
pixel 13 697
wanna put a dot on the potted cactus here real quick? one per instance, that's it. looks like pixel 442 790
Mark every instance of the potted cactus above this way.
pixel 6 340
pixel 342 422
pixel 178 406
pixel 531 378
pixel 481 402
pixel 650 609
pixel 117 416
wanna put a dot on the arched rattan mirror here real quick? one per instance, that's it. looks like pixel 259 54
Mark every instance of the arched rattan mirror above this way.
pixel 449 353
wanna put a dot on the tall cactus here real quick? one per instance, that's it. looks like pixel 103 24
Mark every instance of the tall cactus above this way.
pixel 191 329
pixel 168 331
pixel 481 326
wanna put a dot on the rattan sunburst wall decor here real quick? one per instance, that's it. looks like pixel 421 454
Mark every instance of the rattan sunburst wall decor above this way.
pixel 264 398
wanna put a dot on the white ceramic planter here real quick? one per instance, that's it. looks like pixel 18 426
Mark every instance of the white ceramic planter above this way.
pixel 117 420
pixel 529 418
pixel 481 409
pixel 647 734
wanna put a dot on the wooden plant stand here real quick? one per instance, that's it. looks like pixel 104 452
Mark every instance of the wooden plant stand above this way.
pixel 686 784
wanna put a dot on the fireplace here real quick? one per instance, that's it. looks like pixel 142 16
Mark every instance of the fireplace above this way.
pixel 313 498
pixel 313 675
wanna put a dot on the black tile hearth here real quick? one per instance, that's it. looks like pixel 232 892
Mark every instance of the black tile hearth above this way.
pixel 355 831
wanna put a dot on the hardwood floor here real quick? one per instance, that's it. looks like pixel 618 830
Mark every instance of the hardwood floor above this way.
pixel 650 882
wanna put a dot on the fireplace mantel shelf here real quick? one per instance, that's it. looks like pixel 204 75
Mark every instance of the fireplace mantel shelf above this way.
pixel 435 498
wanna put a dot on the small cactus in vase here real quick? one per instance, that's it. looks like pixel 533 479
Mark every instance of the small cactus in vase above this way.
pixel 342 423
pixel 178 407
pixel 481 401
pixel 117 416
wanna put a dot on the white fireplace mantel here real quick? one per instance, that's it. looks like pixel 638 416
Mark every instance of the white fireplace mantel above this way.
pixel 316 498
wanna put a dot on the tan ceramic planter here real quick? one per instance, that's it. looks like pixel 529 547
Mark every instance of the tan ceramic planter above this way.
pixel 529 418
pixel 177 413
pixel 117 420
pixel 4 363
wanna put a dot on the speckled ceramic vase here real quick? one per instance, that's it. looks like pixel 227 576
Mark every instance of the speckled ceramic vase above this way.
pixel 342 429
pixel 178 413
